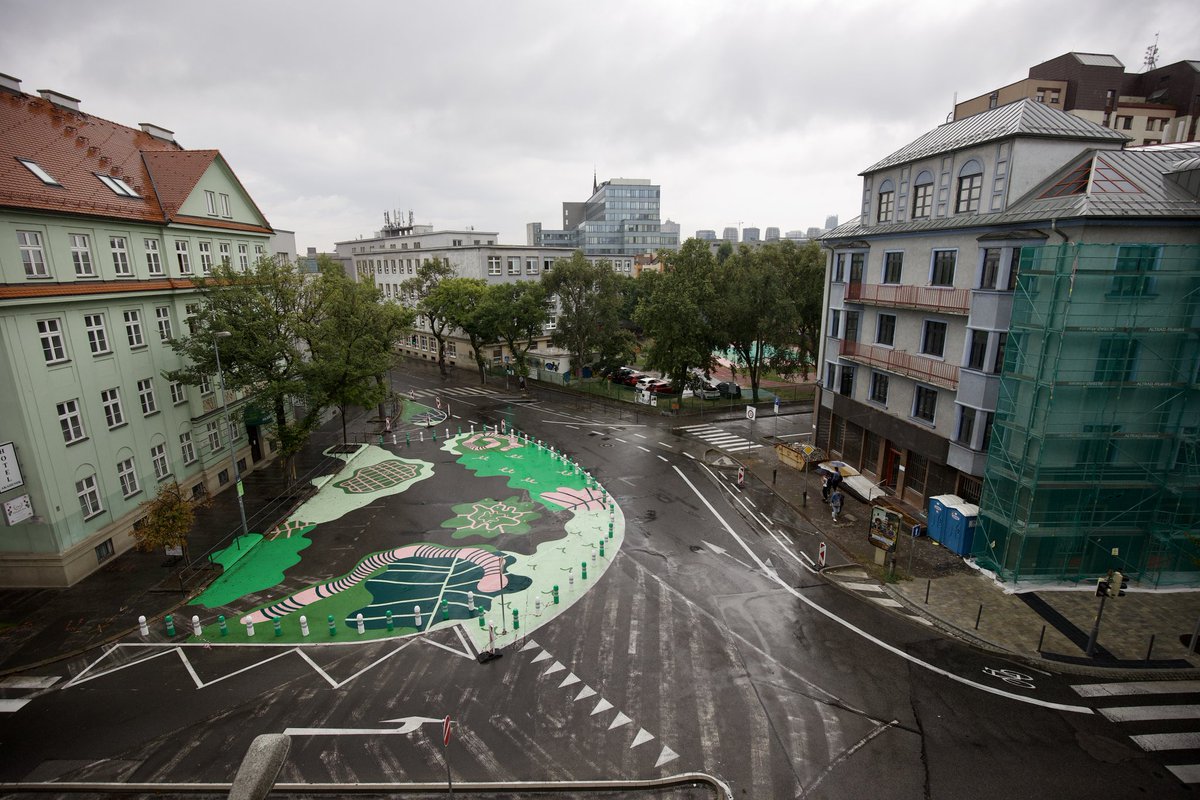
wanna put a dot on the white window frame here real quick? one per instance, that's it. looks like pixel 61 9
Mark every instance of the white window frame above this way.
pixel 531 266
pixel 133 329
pixel 210 200
pixel 212 434
pixel 225 209
pixel 81 255
pixel 110 401
pixel 122 267
pixel 97 334
pixel 54 346
pixel 494 266
pixel 146 397
pixel 187 448
pixel 89 497
pixel 153 257
pixel 223 251
pixel 158 457
pixel 33 256
pixel 41 174
pixel 206 258
pixel 162 317
pixel 243 256
pixel 71 421
pixel 514 265
pixel 183 256
pixel 178 392
pixel 127 475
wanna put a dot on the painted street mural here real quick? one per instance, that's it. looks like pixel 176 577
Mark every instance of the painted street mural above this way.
pixel 480 530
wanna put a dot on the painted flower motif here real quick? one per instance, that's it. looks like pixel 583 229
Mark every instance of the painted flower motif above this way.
pixel 575 499
pixel 490 441
pixel 287 528
pixel 489 518
pixel 377 477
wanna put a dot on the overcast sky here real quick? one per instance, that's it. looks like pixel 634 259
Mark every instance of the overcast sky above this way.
pixel 493 113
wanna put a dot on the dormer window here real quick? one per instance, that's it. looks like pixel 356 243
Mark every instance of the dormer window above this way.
pixel 923 196
pixel 887 202
pixel 970 188
pixel 42 175
pixel 118 186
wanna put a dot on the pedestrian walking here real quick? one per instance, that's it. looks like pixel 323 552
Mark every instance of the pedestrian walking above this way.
pixel 835 504
pixel 825 488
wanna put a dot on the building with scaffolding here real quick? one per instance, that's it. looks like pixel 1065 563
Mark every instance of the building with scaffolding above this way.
pixel 1019 290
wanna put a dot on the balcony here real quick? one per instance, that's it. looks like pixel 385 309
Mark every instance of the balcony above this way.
pixel 920 368
pixel 930 298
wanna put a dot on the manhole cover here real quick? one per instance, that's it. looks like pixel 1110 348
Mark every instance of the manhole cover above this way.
pixel 605 445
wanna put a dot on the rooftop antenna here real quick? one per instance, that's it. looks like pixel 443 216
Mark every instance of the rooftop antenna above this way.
pixel 595 185
pixel 1151 59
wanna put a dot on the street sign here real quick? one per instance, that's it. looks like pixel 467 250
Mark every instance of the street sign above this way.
pixel 741 476
pixel 776 405
pixel 751 413
pixel 446 731
pixel 821 554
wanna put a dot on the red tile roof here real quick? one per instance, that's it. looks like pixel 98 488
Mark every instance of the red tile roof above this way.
pixel 73 147
pixel 17 291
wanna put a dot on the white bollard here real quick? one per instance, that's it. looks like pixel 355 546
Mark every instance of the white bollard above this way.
pixel 537 606
pixel 571 581
pixel 303 625
pixel 143 626
pixel 393 438
pixel 417 614
pixel 250 628
pixel 472 430
pixel 447 433
pixel 422 435
pixel 362 626
pixel 195 625
pixel 593 555
pixel 470 601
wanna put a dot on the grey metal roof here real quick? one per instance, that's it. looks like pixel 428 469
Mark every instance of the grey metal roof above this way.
pixel 1098 60
pixel 1025 117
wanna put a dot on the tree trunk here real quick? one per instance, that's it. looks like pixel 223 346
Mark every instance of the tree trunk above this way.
pixel 342 413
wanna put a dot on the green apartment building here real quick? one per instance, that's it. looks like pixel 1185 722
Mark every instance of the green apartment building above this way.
pixel 102 229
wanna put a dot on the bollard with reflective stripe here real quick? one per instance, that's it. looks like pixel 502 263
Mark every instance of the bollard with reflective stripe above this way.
pixel 362 626
pixel 143 626
pixel 555 594
pixel 303 625
pixel 170 625
pixel 250 628
pixel 195 625
pixel 278 628
pixel 332 626
pixel 390 624
pixel 223 626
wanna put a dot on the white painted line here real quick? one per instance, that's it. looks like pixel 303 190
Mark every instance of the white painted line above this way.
pixel 921 620
pixel 557 666
pixel 78 679
pixel 456 416
pixel 29 681
pixel 689 455
pixel 643 449
pixel 597 433
pixel 849 752
pixel 619 439
pixel 603 705
pixel 1136 687
pixel 1167 741
pixel 664 444
pixel 662 458
pixel 642 737
pixel 473 422
pixel 693 427
pixel 806 557
pixel 573 427
pixel 1145 713
pixel 1188 773
pixel 640 435
pixel 859 631
pixel 862 587
pixel 570 680
pixel 585 693
pixel 10 706
pixel 542 656
pixel 751 502
pixel 886 601
pixel 666 755
pixel 619 720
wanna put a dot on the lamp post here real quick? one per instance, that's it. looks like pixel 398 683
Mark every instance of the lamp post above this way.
pixel 237 477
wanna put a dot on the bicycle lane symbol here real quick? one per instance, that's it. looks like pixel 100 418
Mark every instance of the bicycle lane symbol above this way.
pixel 1011 677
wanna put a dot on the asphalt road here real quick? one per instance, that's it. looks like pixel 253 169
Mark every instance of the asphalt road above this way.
pixel 710 645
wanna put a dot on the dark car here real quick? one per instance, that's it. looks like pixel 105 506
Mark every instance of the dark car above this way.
pixel 729 389
pixel 620 374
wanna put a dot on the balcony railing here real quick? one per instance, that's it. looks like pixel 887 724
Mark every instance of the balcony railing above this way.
pixel 947 301
pixel 939 373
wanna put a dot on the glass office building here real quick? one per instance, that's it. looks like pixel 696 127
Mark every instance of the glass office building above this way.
pixel 621 218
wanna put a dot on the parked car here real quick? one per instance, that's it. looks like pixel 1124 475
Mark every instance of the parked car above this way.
pixel 729 389
pixel 704 388
pixel 661 387
pixel 632 378
pixel 645 381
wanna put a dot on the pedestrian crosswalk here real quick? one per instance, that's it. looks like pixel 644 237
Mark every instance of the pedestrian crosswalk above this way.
pixel 1160 717
pixel 453 391
pixel 721 439
pixel 855 579
pixel 17 690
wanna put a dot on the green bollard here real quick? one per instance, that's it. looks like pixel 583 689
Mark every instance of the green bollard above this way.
pixel 435 434
pixel 381 440
pixel 482 623
pixel 224 627
pixel 460 430
pixel 332 626
pixel 278 629
pixel 389 620
pixel 445 609
pixel 610 530
pixel 602 548
pixel 583 570
pixel 407 439
pixel 516 622
pixel 556 594
pixel 170 625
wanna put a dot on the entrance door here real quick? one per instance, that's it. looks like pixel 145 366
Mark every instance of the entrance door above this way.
pixel 891 466
pixel 255 443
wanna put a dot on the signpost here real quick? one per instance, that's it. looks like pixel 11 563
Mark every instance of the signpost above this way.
pixel 741 476
pixel 821 555
pixel 446 752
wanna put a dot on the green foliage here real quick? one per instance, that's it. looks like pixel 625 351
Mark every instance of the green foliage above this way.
pixel 434 306
pixel 677 310
pixel 167 519
pixel 590 300
pixel 519 312
pixel 468 306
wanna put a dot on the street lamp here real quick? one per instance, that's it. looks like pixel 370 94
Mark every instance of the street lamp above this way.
pixel 237 477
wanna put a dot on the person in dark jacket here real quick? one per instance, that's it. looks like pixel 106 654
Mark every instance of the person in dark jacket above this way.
pixel 835 504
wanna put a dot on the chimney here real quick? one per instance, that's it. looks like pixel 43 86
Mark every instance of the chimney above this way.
pixel 158 132
pixel 60 99
pixel 10 83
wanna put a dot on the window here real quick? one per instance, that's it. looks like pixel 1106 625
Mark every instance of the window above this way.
pixel 210 199
pixel 96 334
pixel 847 386
pixel 243 258
pixel 1134 262
pixel 966 425
pixel 206 259
pixel 36 169
pixel 514 266
pixel 89 497
pixel 925 403
pixel 1125 123
pixel 133 328
pixel 851 332
pixel 259 250
pixel 225 212
pixel 206 386
pixel 81 255
pixel 54 349
pixel 104 551
pixel 127 475
pixel 835 322
pixel 839 268
pixel 146 396
pixel 933 338
pixel 183 257
pixel 158 457
pixel 110 400
pixel 71 422
pixel 830 374
pixel 887 202
pixel 452 349
pixel 187 448
pixel 856 267
pixel 885 329
pixel 987 431
pixel 117 185
pixel 1001 343
pixel 879 387
pixel 178 393
pixel 153 262
pixel 162 316
pixel 493 265
pixel 547 263
pixel 893 267
pixel 923 196
pixel 32 256
pixel 212 432
pixel 976 349
pixel 942 273
pixel 970 188
pixel 223 248
pixel 531 266
pixel 990 273
pixel 1116 360
pixel 120 256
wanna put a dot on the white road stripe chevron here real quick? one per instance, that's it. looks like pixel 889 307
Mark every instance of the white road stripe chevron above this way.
pixel 720 438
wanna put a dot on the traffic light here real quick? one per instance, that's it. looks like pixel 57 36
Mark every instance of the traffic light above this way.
pixel 1117 585
pixel 1101 587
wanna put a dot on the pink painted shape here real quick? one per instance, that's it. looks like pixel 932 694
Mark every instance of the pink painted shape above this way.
pixel 584 499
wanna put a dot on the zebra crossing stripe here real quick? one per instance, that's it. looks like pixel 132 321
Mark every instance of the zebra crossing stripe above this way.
pixel 1147 713
pixel 1136 687
pixel 1167 741
pixel 9 706
pixel 1188 773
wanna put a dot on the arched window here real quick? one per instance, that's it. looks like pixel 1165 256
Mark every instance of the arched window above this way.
pixel 923 196
pixel 887 202
pixel 970 187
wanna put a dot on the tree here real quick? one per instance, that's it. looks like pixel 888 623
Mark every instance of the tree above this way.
pixel 166 521
pixel 468 307
pixel 589 297
pixel 519 312
pixel 267 311
pixel 434 308
pixel 762 309
pixel 677 312
pixel 724 251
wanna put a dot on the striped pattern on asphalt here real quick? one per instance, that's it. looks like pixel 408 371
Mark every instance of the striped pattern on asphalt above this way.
pixel 1155 723
pixel 454 391
pixel 856 581
pixel 22 683
pixel 720 439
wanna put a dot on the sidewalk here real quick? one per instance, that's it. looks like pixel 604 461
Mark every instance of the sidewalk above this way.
pixel 1145 633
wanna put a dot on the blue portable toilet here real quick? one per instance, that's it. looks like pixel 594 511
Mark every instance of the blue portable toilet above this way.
pixel 959 531
pixel 937 514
